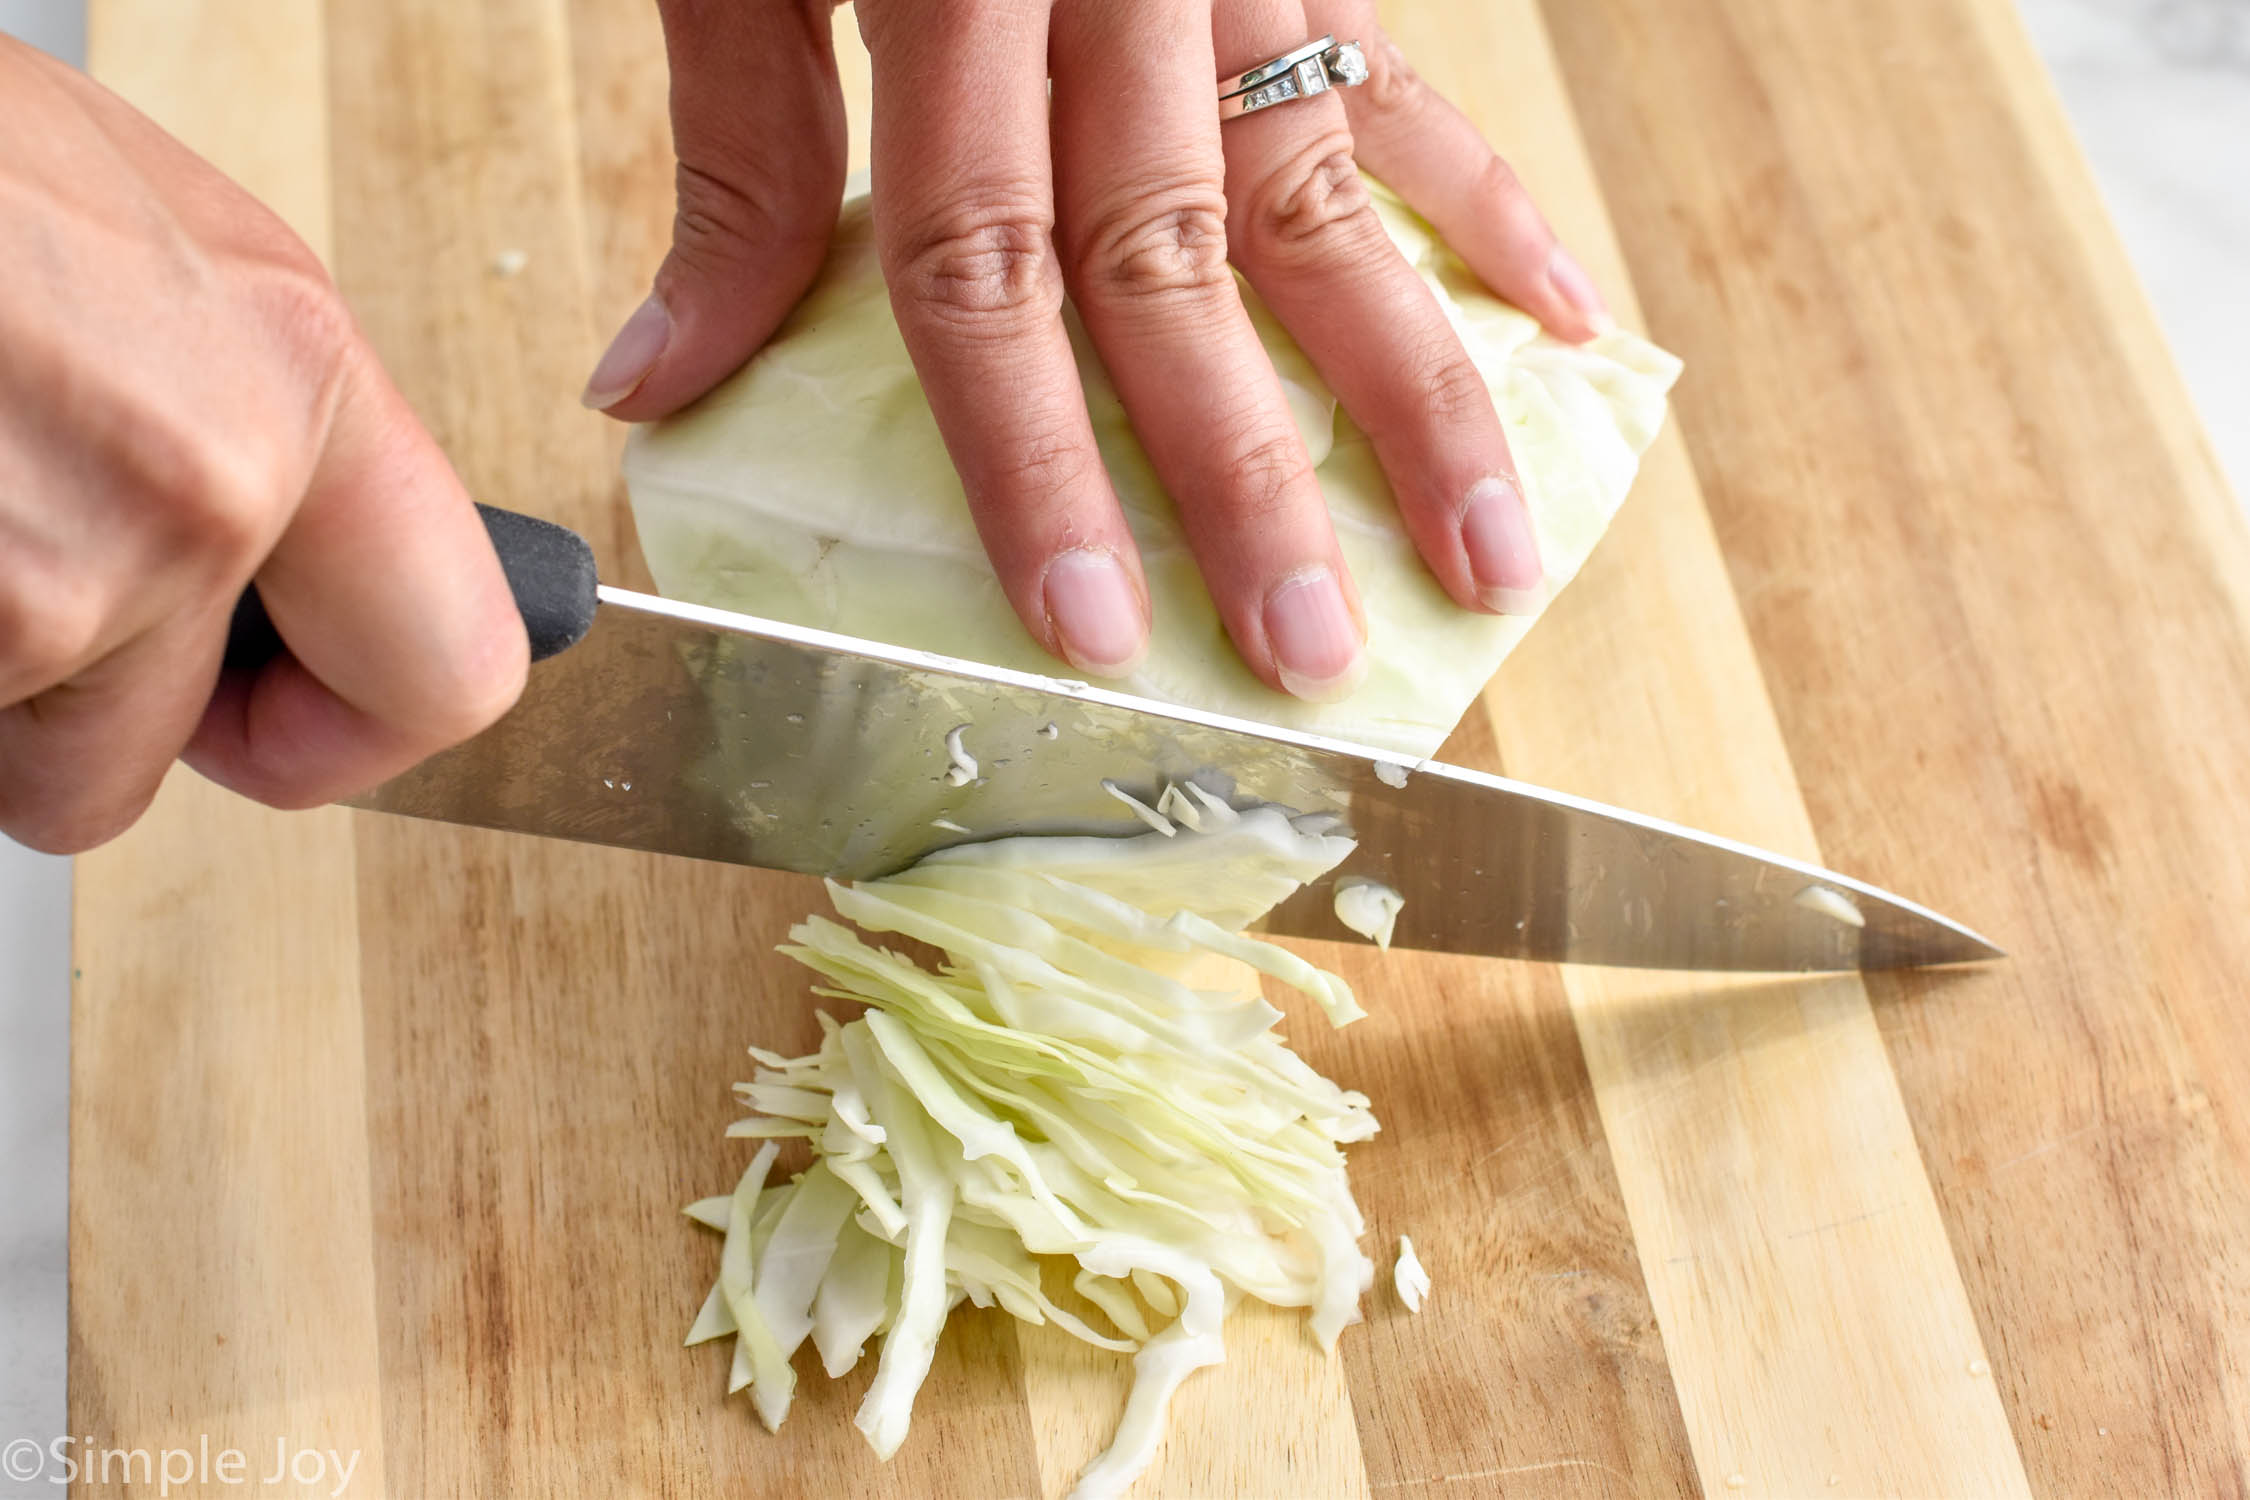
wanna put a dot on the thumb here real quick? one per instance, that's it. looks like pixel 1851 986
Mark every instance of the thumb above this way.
pixel 758 127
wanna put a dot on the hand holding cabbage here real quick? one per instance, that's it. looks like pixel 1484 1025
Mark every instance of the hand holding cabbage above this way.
pixel 994 199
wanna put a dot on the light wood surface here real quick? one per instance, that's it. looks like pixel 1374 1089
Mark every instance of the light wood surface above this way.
pixel 380 1129
pixel 218 1109
pixel 1996 589
pixel 1793 1253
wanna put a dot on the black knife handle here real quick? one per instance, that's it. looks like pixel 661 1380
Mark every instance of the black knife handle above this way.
pixel 550 570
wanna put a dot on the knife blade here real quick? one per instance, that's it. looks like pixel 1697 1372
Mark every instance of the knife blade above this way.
pixel 687 730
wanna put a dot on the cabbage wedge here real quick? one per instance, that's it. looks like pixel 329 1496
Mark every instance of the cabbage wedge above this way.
pixel 812 487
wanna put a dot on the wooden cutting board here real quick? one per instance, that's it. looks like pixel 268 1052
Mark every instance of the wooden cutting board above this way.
pixel 380 1129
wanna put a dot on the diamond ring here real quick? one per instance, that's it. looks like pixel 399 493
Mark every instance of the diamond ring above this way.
pixel 1314 68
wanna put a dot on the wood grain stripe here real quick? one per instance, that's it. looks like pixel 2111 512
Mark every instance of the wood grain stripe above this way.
pixel 1534 1367
pixel 1814 1323
pixel 1813 1318
pixel 1999 591
pixel 222 1283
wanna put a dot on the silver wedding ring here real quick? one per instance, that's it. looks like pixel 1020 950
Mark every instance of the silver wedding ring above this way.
pixel 1314 68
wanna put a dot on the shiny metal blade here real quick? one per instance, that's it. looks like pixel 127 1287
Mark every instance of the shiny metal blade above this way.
pixel 694 731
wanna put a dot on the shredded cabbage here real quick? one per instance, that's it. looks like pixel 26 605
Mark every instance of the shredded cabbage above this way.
pixel 812 487
pixel 1069 1087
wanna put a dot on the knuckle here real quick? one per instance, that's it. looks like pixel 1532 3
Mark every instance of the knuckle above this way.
pixel 1394 90
pixel 1311 203
pixel 261 238
pixel 1048 468
pixel 1497 186
pixel 221 496
pixel 1525 243
pixel 231 505
pixel 1173 245
pixel 208 467
pixel 236 489
pixel 981 264
pixel 1271 470
pixel 1447 384
pixel 304 307
pixel 717 216
pixel 48 631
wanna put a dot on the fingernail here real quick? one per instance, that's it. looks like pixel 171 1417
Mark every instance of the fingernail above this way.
pixel 1096 613
pixel 631 355
pixel 1503 551
pixel 1316 642
pixel 1574 286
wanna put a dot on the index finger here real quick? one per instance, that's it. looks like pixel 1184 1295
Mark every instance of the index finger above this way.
pixel 403 637
pixel 964 218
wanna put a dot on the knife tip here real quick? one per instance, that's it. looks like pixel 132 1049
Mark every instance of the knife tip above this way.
pixel 1954 944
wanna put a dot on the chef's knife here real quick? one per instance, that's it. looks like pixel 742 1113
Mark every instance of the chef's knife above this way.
pixel 670 727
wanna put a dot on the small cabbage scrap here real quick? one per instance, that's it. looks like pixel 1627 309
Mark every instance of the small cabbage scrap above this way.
pixel 1061 1091
pixel 1408 1279
pixel 1369 908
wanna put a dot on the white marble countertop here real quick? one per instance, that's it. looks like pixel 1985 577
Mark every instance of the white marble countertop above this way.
pixel 2160 93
